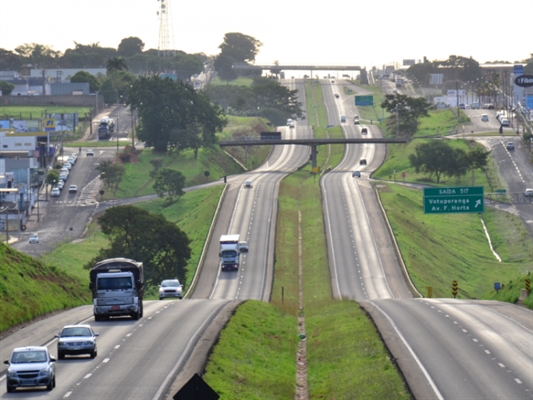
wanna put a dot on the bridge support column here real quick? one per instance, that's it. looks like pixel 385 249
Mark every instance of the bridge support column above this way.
pixel 313 156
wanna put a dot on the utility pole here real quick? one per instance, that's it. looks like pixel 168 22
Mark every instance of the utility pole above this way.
pixel 397 123
pixel 117 133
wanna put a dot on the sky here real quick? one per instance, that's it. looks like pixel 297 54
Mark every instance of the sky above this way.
pixel 346 32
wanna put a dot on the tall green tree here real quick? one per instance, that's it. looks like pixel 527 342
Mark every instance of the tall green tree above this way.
pixel 240 47
pixel 6 88
pixel 170 183
pixel 438 158
pixel 116 64
pixel 405 113
pixel 130 47
pixel 165 105
pixel 478 158
pixel 84 76
pixel 109 91
pixel 111 173
pixel 38 55
pixel 137 234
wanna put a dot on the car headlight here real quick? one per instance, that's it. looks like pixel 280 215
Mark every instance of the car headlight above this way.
pixel 11 374
pixel 161 290
pixel 45 371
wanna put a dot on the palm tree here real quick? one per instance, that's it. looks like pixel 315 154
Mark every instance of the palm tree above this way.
pixel 116 64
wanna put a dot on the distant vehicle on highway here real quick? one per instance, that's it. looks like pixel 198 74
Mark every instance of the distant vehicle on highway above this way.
pixel 90 152
pixel 170 288
pixel 356 174
pixel 364 131
pixel 362 161
pixel 336 95
pixel 528 193
pixel 34 239
pixel 343 118
pixel 485 118
pixel 510 146
pixel 248 184
pixel 73 189
pixel 488 106
pixel 55 192
pixel 504 122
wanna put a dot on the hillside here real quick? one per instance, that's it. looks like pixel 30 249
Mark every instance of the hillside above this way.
pixel 30 288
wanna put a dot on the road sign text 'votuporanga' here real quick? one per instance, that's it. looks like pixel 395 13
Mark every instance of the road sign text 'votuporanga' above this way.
pixel 467 199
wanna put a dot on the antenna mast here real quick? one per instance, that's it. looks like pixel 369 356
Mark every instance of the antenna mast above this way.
pixel 166 35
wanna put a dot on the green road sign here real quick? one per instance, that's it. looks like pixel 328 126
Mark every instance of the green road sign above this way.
pixel 467 199
pixel 364 100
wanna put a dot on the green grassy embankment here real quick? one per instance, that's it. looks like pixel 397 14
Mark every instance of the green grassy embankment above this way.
pixel 30 288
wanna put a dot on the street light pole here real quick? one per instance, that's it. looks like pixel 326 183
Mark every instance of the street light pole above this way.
pixel 117 133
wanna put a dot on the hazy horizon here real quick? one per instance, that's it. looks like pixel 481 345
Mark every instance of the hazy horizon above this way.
pixel 295 32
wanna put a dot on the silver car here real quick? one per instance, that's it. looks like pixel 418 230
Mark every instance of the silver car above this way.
pixel 75 340
pixel 170 288
pixel 30 367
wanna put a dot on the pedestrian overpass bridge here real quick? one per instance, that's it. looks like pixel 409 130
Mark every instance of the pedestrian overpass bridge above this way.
pixel 305 67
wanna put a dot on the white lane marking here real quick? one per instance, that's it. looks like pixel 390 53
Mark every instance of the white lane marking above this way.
pixel 426 373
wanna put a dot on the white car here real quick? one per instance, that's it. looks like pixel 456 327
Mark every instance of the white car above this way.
pixel 34 239
pixel 90 152
pixel 63 177
pixel 67 165
pixel 55 192
pixel 248 184
pixel 485 118
pixel 60 185
pixel 528 193
pixel 170 288
pixel 505 122
pixel 72 189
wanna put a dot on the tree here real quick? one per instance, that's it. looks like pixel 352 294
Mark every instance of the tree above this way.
pixel 137 234
pixel 478 158
pixel 38 55
pixel 130 47
pixel 6 88
pixel 270 94
pixel 165 105
pixel 116 64
pixel 84 76
pixel 10 61
pixel 438 158
pixel 240 47
pixel 408 111
pixel 224 67
pixel 169 182
pixel 111 173
pixel 122 81
pixel 109 92
pixel 52 178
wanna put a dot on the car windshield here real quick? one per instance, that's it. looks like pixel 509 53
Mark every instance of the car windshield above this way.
pixel 38 356
pixel 76 331
pixel 170 284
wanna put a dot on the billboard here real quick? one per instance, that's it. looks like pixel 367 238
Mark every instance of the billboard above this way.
pixel 409 62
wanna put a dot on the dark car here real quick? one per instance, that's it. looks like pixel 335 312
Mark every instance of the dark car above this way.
pixel 75 340
pixel 356 174
pixel 30 366
pixel 364 131
pixel 510 146
pixel 362 161
pixel 336 95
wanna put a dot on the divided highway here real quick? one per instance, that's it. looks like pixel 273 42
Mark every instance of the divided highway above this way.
pixel 446 349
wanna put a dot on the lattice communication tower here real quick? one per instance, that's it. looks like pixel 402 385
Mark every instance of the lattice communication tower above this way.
pixel 166 34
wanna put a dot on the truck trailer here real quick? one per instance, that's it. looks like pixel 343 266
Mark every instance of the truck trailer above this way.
pixel 106 128
pixel 229 252
pixel 117 287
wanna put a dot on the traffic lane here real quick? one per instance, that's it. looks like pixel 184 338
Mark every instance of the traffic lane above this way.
pixel 455 365
pixel 144 363
pixel 512 164
pixel 507 340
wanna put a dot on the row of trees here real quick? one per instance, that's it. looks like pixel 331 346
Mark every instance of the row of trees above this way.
pixel 38 56
pixel 265 98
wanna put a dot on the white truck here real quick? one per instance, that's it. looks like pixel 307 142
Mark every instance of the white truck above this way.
pixel 229 252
